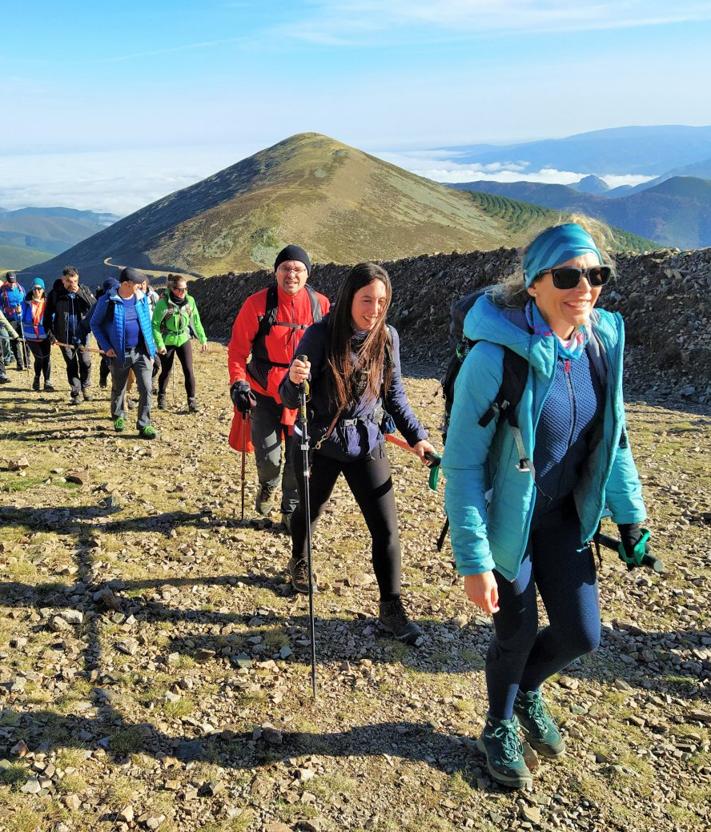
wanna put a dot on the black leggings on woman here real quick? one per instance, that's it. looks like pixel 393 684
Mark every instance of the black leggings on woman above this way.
pixel 371 484
pixel 185 356
pixel 41 351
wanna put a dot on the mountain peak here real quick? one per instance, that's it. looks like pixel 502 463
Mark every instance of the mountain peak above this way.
pixel 591 185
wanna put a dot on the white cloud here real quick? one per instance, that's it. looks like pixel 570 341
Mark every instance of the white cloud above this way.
pixel 335 22
pixel 435 165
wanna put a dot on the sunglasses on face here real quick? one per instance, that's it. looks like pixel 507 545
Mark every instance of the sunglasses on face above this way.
pixel 568 277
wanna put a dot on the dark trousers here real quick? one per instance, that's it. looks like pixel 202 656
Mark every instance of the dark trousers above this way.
pixel 371 484
pixel 19 350
pixel 273 445
pixel 78 363
pixel 185 356
pixel 142 365
pixel 41 350
pixel 522 657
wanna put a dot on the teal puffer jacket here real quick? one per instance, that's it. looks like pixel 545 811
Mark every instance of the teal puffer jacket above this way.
pixel 489 501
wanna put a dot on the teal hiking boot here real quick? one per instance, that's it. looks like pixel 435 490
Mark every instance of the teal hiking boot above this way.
pixel 119 424
pixel 147 432
pixel 502 746
pixel 537 723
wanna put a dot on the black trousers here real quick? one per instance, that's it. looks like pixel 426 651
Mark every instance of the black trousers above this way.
pixel 185 356
pixel 41 350
pixel 20 351
pixel 371 484
pixel 78 363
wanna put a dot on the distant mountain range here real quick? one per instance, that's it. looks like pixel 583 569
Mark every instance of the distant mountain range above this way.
pixel 30 235
pixel 341 204
pixel 647 151
pixel 675 212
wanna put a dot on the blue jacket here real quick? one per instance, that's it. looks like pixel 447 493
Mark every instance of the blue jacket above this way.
pixel 11 296
pixel 32 325
pixel 107 323
pixel 489 502
pixel 359 429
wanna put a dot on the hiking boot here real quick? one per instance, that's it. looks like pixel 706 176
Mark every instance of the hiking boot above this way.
pixel 36 385
pixel 119 424
pixel 102 384
pixel 394 619
pixel 502 746
pixel 4 380
pixel 75 398
pixel 537 724
pixel 147 432
pixel 299 574
pixel 48 388
pixel 161 401
pixel 192 405
pixel 87 395
pixel 265 500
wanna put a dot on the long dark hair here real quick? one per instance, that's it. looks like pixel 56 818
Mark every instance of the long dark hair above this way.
pixel 371 357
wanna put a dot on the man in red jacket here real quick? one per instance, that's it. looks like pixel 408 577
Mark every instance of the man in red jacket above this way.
pixel 265 335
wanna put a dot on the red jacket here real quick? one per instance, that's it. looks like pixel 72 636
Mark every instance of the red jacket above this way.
pixel 280 343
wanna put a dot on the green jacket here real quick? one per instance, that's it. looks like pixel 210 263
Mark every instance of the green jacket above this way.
pixel 173 325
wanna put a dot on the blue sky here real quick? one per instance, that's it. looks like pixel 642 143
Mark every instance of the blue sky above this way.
pixel 119 103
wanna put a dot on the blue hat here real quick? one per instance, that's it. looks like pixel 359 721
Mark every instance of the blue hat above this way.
pixel 109 284
pixel 554 246
pixel 38 282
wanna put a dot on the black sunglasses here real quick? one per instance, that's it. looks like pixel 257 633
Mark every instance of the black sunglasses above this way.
pixel 568 277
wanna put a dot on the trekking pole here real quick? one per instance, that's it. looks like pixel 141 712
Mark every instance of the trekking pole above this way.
pixel 303 416
pixel 23 347
pixel 639 557
pixel 245 426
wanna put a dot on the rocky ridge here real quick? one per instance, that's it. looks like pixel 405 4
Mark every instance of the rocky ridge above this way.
pixel 664 296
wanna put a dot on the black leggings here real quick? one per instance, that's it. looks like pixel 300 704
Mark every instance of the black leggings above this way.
pixel 41 351
pixel 185 356
pixel 371 484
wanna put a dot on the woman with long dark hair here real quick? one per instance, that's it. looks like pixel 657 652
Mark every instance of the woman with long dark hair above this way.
pixel 354 371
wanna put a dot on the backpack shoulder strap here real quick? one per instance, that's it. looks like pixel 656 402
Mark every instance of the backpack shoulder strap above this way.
pixel 267 321
pixel 513 382
pixel 316 312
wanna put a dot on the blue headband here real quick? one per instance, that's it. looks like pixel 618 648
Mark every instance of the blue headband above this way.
pixel 557 245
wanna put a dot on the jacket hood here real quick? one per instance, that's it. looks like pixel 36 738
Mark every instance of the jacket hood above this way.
pixel 486 321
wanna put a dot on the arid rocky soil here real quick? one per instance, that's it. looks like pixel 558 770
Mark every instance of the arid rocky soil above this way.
pixel 155 664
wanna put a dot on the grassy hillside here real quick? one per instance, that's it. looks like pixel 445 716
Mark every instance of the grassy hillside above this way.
pixel 676 212
pixel 340 203
pixel 20 257
pixel 50 229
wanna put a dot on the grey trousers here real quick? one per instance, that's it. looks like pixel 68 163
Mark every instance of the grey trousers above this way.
pixel 7 354
pixel 142 366
pixel 269 453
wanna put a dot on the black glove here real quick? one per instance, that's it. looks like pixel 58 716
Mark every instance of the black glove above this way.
pixel 631 538
pixel 242 397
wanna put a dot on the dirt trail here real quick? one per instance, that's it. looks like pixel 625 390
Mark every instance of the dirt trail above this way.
pixel 155 663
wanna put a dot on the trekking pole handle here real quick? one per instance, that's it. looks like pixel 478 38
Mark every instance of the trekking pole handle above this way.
pixel 617 546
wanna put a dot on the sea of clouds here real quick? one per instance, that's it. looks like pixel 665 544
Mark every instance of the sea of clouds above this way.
pixel 123 181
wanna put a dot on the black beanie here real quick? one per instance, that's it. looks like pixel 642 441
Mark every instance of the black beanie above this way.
pixel 131 275
pixel 293 252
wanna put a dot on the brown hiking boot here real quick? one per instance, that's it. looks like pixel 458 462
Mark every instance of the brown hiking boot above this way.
pixel 299 574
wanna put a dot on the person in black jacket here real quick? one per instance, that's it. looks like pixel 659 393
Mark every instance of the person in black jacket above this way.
pixel 354 370
pixel 66 321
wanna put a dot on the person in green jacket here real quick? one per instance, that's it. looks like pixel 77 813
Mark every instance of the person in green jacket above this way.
pixel 6 334
pixel 176 321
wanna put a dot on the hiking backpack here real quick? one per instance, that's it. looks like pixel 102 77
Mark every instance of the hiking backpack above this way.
pixel 260 362
pixel 514 377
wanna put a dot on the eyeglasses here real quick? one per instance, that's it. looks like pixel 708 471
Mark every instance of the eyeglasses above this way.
pixel 180 289
pixel 568 277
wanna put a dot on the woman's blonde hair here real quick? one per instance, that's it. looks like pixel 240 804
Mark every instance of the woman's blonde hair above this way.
pixel 511 292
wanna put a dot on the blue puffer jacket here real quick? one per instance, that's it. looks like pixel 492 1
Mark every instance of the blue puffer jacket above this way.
pixel 107 323
pixel 358 431
pixel 489 502
pixel 11 297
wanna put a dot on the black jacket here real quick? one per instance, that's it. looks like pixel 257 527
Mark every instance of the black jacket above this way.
pixel 59 309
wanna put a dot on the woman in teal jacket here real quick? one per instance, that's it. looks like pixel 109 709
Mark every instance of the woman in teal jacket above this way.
pixel 524 498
